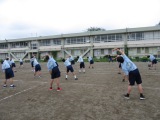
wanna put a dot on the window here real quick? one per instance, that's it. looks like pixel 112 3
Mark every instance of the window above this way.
pixel 136 36
pixel 146 50
pixel 138 50
pixel 19 45
pixel 34 46
pixel 45 43
pixel 3 46
pixel 76 40
pixel 57 42
pixel 102 51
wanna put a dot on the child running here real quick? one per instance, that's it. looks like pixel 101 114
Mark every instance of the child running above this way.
pixel 69 68
pixel 82 65
pixel 8 74
pixel 132 73
pixel 91 62
pixel 54 72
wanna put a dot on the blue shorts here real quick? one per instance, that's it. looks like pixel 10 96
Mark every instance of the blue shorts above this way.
pixel 134 76
pixel 70 68
pixel 21 63
pixel 55 73
pixel 72 62
pixel 82 65
pixel 37 68
pixel 13 65
pixel 154 61
pixel 32 64
pixel 91 62
pixel 9 73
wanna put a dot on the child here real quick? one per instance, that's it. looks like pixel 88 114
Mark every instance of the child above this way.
pixel 8 74
pixel 91 62
pixel 82 65
pixel 31 61
pixel 132 73
pixel 13 65
pixel 71 59
pixel 37 68
pixel 110 58
pixel 21 62
pixel 54 72
pixel 119 65
pixel 153 61
pixel 69 68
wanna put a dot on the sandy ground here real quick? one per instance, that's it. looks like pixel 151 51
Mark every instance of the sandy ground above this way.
pixel 96 95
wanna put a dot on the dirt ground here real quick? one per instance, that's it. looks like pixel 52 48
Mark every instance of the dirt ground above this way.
pixel 96 95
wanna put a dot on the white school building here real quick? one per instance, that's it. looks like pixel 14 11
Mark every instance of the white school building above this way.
pixel 140 42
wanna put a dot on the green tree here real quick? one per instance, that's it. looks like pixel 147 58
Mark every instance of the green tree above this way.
pixel 95 29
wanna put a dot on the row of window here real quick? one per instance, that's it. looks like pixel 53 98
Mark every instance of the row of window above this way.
pixel 82 40
pixel 99 52
pixel 75 40
pixel 19 44
pixel 107 38
pixel 50 42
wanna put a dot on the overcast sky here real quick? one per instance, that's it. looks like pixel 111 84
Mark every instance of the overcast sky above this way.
pixel 30 18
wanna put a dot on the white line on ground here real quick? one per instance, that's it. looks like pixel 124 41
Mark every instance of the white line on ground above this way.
pixel 18 93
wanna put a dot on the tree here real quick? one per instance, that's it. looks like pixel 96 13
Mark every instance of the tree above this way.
pixel 95 29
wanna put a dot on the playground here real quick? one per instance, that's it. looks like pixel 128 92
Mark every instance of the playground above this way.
pixel 96 95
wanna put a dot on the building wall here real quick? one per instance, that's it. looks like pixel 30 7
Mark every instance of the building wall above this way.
pixel 140 41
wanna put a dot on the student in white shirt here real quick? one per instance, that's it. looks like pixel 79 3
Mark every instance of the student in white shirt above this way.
pixel 132 74
pixel 69 68
pixel 8 73
pixel 82 65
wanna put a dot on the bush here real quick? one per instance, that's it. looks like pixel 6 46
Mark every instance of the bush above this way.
pixel 144 59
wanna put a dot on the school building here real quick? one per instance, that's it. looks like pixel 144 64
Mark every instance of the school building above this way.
pixel 140 42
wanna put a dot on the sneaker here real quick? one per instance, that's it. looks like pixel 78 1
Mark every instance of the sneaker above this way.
pixel 4 86
pixel 92 67
pixel 59 89
pixel 50 88
pixel 126 96
pixel 76 79
pixel 142 97
pixel 123 80
pixel 119 73
pixel 66 79
pixel 12 86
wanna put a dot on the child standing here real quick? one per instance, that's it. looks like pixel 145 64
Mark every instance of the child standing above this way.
pixel 21 62
pixel 31 61
pixel 54 72
pixel 69 68
pixel 132 73
pixel 153 61
pixel 37 68
pixel 82 65
pixel 71 59
pixel 13 65
pixel 8 74
pixel 91 62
